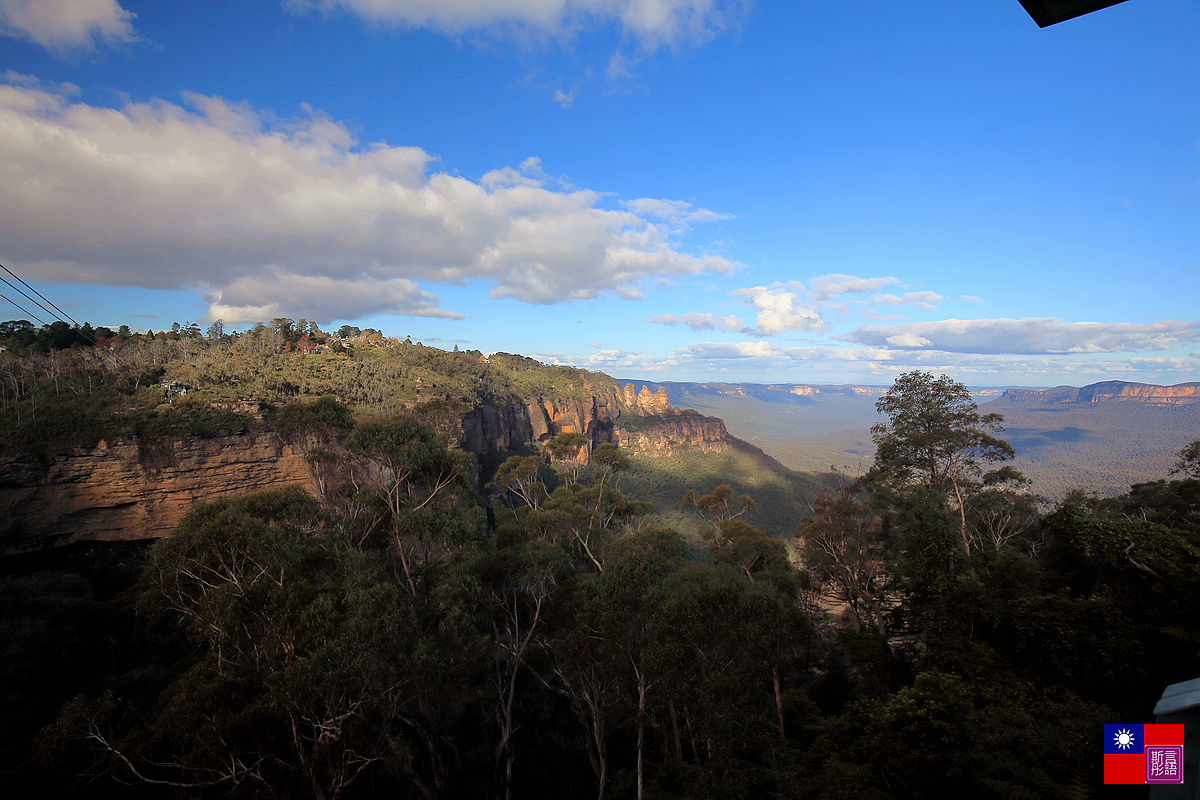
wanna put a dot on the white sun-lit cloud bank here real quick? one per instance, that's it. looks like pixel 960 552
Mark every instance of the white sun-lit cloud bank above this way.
pixel 275 207
pixel 293 217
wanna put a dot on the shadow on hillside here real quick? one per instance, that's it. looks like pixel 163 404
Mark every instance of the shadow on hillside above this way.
pixel 783 496
pixel 1030 438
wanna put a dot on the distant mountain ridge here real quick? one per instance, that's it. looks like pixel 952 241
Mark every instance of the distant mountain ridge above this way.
pixel 1109 391
pixel 1104 391
pixel 1101 437
pixel 783 392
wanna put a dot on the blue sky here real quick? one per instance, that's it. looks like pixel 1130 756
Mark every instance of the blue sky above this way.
pixel 666 189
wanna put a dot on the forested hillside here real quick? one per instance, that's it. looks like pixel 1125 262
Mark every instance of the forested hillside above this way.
pixel 426 623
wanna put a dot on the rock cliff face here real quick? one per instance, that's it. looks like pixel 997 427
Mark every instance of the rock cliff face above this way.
pixel 601 417
pixel 126 490
pixel 123 490
pixel 672 433
pixel 489 428
pixel 1110 391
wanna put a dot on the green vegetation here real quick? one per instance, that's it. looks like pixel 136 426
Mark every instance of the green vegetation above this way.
pixel 783 497
pixel 1100 447
pixel 55 397
pixel 430 627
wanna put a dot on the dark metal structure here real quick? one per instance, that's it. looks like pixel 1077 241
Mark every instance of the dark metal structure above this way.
pixel 1048 12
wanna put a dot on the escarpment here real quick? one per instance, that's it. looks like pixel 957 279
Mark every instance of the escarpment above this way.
pixel 673 432
pixel 1110 391
pixel 125 490
pixel 642 423
pixel 129 490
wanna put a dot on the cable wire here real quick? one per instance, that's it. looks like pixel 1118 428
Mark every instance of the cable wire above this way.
pixel 23 311
pixel 39 294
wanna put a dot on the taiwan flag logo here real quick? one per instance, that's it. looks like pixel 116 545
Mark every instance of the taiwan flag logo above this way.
pixel 1143 754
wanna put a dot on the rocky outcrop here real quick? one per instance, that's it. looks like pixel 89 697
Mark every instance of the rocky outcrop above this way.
pixel 594 418
pixel 493 427
pixel 672 433
pixel 137 490
pixel 640 422
pixel 489 428
pixel 646 401
pixel 1110 391
pixel 132 490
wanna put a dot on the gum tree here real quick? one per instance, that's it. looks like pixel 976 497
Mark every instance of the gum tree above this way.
pixel 936 437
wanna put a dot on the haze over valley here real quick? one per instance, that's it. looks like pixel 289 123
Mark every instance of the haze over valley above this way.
pixel 1096 440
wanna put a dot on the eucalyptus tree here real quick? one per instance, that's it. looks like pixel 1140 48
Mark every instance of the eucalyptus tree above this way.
pixel 300 667
pixel 422 486
pixel 718 506
pixel 935 437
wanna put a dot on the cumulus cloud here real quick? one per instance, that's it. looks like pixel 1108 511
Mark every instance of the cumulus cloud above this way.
pixel 908 340
pixel 925 300
pixel 696 322
pixel 777 304
pixel 609 360
pixel 651 23
pixel 826 287
pixel 733 323
pixel 263 213
pixel 1028 336
pixel 778 311
pixel 277 294
pixel 61 25
pixel 970 298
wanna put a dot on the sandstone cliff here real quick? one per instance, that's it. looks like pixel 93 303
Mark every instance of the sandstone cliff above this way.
pixel 1110 391
pixel 123 490
pixel 126 490
pixel 601 418
pixel 672 433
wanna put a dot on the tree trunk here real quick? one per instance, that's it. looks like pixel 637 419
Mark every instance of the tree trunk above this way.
pixel 677 745
pixel 641 679
pixel 779 705
pixel 962 513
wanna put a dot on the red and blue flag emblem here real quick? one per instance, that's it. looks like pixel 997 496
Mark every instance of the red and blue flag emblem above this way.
pixel 1143 754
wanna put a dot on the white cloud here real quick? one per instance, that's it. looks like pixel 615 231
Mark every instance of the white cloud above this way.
pixel 565 99
pixel 768 362
pixel 276 293
pixel 778 311
pixel 925 300
pixel 1028 336
pixel 801 363
pixel 611 360
pixel 258 212
pixel 60 25
pixel 706 350
pixel 970 298
pixel 826 287
pixel 733 323
pixel 696 322
pixel 908 340
pixel 651 23
pixel 676 212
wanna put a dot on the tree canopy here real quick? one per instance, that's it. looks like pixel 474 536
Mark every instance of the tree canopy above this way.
pixel 935 437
